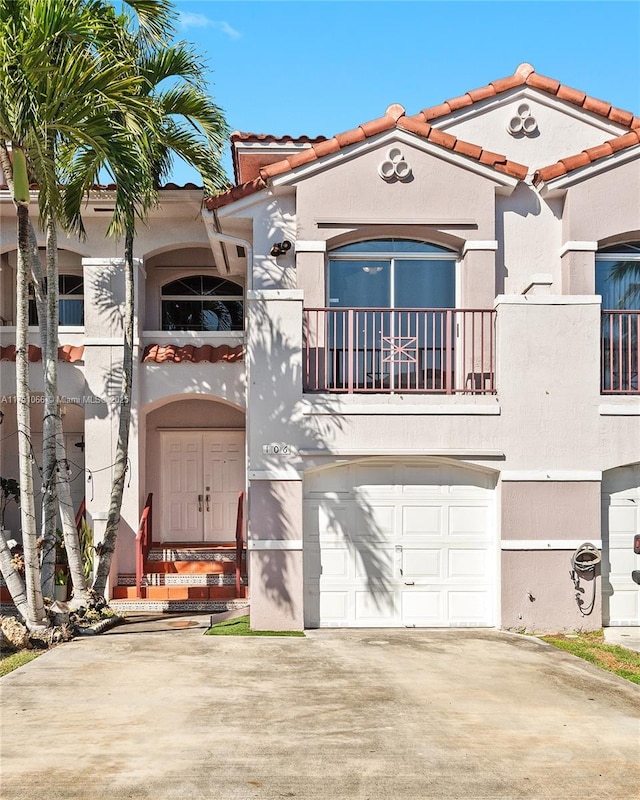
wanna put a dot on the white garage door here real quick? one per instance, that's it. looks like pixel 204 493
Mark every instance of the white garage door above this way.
pixel 621 596
pixel 399 545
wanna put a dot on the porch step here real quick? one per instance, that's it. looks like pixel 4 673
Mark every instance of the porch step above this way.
pixel 189 559
pixel 190 606
pixel 182 579
pixel 178 592
pixel 170 585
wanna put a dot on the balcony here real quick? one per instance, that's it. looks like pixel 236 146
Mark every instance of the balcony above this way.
pixel 381 350
pixel 620 352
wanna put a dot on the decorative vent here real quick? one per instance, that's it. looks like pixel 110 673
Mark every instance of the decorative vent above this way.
pixel 522 123
pixel 394 167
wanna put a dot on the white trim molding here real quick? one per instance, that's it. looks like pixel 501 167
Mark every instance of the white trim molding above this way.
pixel 547 544
pixel 479 244
pixel 311 246
pixel 381 409
pixel 378 451
pixel 548 300
pixel 275 294
pixel 274 544
pixel 631 409
pixel 391 137
pixel 551 475
pixel 284 474
pixel 589 170
pixel 578 247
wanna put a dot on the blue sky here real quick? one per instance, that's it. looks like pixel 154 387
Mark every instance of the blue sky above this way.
pixel 323 66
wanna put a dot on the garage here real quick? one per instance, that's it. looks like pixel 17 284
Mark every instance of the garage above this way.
pixel 399 544
pixel 621 521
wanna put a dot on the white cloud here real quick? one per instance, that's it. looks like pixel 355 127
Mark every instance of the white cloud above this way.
pixel 188 20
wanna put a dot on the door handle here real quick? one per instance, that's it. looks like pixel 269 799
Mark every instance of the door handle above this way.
pixel 207 498
pixel 409 583
pixel 199 502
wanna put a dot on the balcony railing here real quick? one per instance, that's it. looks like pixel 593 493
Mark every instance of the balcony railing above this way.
pixel 620 352
pixel 439 351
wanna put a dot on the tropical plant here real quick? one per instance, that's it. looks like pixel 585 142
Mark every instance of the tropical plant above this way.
pixel 65 83
pixel 190 126
pixel 9 493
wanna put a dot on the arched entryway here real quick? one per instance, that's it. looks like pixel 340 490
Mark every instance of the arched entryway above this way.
pixel 195 457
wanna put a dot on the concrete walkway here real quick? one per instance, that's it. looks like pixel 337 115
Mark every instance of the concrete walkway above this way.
pixel 154 709
pixel 627 637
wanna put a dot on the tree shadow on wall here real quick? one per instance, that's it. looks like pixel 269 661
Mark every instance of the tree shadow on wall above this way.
pixel 280 413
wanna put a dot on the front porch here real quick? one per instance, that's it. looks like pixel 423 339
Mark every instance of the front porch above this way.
pixel 200 576
pixel 189 545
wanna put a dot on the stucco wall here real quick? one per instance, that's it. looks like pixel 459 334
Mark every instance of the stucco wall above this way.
pixel 606 206
pixel 562 131
pixel 539 596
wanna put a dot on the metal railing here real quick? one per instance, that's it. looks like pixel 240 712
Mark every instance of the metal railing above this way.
pixel 144 540
pixel 81 514
pixel 620 352
pixel 426 350
pixel 239 543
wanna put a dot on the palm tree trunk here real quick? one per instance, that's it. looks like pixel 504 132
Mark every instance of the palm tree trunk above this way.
pixel 49 509
pixel 108 544
pixel 35 614
pixel 12 578
pixel 67 516
pixel 51 412
pixel 53 434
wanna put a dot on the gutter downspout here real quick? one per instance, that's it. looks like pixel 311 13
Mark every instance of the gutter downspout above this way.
pixel 216 236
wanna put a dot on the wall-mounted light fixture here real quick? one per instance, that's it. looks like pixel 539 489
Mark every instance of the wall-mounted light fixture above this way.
pixel 279 248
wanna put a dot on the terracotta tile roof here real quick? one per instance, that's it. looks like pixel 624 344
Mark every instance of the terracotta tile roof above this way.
pixel 161 353
pixel 66 352
pixel 393 118
pixel 111 187
pixel 421 124
pixel 247 162
pixel 525 75
pixel 566 165
pixel 241 136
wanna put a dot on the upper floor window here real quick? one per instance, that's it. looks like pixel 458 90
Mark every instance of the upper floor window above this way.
pixel 391 273
pixel 70 301
pixel 618 276
pixel 202 303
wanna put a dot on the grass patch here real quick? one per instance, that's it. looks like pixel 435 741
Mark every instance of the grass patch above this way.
pixel 11 661
pixel 592 647
pixel 240 627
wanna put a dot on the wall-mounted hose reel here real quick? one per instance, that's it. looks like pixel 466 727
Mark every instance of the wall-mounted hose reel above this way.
pixel 584 562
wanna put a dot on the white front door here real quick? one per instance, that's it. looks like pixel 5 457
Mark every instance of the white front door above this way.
pixel 399 545
pixel 203 472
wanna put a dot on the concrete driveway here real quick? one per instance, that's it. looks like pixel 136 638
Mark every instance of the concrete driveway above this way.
pixel 160 711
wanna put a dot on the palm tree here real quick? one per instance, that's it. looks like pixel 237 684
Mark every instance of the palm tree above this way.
pixel 65 83
pixel 192 127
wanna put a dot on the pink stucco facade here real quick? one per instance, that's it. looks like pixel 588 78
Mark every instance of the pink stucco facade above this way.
pixel 383 506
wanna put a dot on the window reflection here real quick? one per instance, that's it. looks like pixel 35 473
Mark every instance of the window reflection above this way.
pixel 202 303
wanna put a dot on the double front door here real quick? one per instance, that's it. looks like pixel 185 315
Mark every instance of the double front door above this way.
pixel 202 474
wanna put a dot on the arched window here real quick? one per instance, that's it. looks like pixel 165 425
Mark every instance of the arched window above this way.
pixel 618 276
pixel 70 301
pixel 391 273
pixel 202 303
